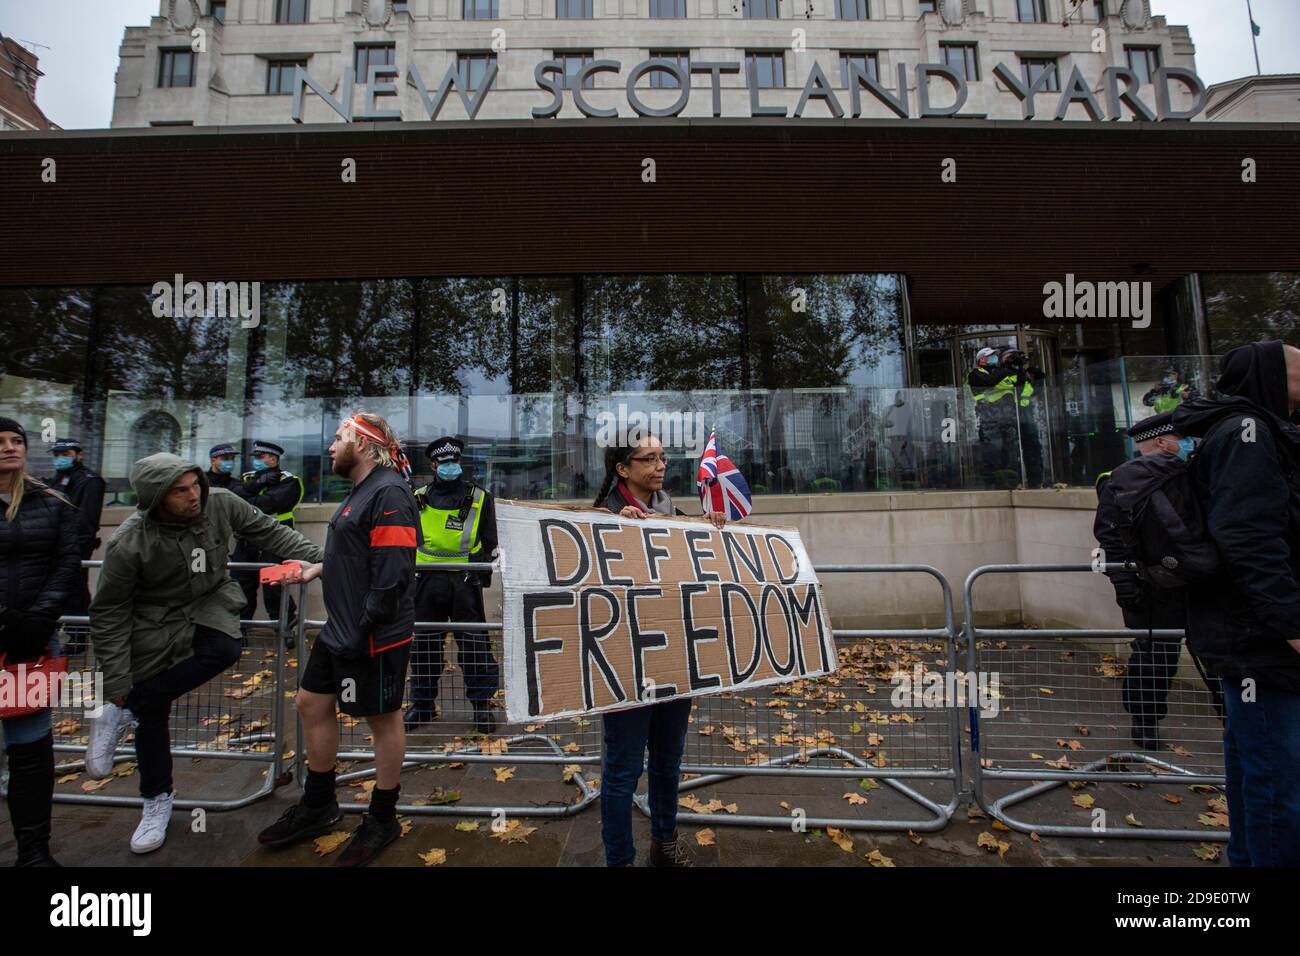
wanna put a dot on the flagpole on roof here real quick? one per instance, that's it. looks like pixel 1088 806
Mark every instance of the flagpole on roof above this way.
pixel 1254 35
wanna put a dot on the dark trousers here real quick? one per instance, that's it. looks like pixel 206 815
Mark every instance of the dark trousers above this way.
pixel 1150 671
pixel 248 581
pixel 1004 441
pixel 1261 756
pixel 447 596
pixel 151 701
pixel 627 734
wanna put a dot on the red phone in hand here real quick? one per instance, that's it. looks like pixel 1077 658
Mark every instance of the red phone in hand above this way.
pixel 287 572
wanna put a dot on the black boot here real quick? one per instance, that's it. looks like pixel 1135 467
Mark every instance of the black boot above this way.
pixel 485 722
pixel 669 853
pixel 31 793
pixel 1145 734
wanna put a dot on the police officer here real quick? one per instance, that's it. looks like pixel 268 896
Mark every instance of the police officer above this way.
pixel 1153 661
pixel 85 490
pixel 1168 393
pixel 277 492
pixel 457 524
pixel 1001 388
pixel 222 459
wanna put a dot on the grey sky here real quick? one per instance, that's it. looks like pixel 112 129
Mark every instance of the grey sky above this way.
pixel 83 37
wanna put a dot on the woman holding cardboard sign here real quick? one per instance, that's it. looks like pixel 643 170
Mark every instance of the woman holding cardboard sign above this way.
pixel 633 488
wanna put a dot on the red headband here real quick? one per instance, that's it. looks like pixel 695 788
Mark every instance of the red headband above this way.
pixel 370 433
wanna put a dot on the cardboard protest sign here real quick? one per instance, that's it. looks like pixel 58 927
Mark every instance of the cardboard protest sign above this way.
pixel 605 613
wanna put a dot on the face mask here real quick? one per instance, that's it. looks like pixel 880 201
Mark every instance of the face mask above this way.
pixel 1185 447
pixel 449 470
pixel 993 360
pixel 227 467
pixel 1168 381
pixel 63 462
pixel 259 465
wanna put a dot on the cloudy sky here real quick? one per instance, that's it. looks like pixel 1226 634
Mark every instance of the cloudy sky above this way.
pixel 79 40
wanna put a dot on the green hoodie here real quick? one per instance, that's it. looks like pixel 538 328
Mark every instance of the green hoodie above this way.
pixel 160 580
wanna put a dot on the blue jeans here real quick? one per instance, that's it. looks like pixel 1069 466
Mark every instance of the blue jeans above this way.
pixel 627 733
pixel 31 727
pixel 1261 755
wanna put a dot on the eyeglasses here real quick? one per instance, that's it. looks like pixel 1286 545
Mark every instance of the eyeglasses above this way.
pixel 651 458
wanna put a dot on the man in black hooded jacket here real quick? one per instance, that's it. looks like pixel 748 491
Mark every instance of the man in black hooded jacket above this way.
pixel 1245 623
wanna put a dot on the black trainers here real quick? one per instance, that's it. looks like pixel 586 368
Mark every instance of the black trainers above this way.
pixel 368 839
pixel 485 722
pixel 420 715
pixel 299 823
pixel 1145 734
pixel 669 853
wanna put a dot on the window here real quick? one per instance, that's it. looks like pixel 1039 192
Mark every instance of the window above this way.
pixel 962 57
pixel 667 9
pixel 659 80
pixel 768 69
pixel 481 10
pixel 928 6
pixel 1032 11
pixel 852 10
pixel 401 6
pixel 279 75
pixel 868 63
pixel 1032 66
pixel 761 9
pixel 292 11
pixel 1143 61
pixel 218 10
pixel 572 63
pixel 374 54
pixel 176 67
pixel 1099 10
pixel 573 9
pixel 472 67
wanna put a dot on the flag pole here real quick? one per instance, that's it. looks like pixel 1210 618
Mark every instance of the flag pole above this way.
pixel 1254 35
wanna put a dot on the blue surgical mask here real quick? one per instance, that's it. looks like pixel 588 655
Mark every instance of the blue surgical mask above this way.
pixel 449 470
pixel 1185 447
pixel 63 462
pixel 259 465
pixel 993 360
pixel 227 467
pixel 1168 380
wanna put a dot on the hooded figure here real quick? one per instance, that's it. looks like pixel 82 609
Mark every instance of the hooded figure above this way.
pixel 1246 476
pixel 152 589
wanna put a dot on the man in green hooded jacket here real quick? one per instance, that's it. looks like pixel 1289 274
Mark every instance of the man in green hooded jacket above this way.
pixel 165 616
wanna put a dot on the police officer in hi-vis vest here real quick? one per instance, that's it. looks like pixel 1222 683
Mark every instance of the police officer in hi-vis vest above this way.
pixel 277 492
pixel 1001 388
pixel 457 524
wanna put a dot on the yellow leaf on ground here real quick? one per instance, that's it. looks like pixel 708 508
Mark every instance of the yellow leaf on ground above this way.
pixel 1209 852
pixel 569 770
pixel 1206 819
pixel 1132 820
pixel 841 839
pixel 435 857
pixel 1082 730
pixel 1171 799
pixel 1083 800
pixel 705 838
pixel 911 835
pixel 856 799
pixel 327 844
pixel 999 825
pixel 68 777
pixel 991 843
pixel 90 786
pixel 876 858
pixel 467 826
pixel 503 773
pixel 1046 692
pixel 406 826
pixel 124 770
pixel 513 832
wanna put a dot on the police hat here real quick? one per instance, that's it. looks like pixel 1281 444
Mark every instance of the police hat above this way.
pixel 266 447
pixel 225 448
pixel 1153 427
pixel 443 449
pixel 66 444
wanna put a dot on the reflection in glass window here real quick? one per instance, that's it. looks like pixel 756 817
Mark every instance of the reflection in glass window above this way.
pixel 868 63
pixel 1143 61
pixel 472 67
pixel 573 63
pixel 962 57
pixel 373 54
pixel 1031 68
pixel 480 10
pixel 175 68
pixel 767 68
pixel 661 80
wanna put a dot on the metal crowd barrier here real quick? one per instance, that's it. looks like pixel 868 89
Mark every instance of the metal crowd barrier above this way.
pixel 450 740
pixel 235 717
pixel 845 722
pixel 1061 722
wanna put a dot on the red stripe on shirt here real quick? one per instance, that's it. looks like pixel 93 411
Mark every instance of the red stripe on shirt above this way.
pixel 392 535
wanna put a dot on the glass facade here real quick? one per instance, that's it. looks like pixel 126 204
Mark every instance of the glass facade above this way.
pixel 815 383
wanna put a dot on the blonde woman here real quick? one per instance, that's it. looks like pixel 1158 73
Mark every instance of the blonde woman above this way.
pixel 40 567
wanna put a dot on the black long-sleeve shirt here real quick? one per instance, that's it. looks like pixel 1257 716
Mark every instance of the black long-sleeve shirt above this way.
pixel 369 574
pixel 85 490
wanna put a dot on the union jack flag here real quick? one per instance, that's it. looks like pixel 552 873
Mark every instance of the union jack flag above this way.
pixel 722 487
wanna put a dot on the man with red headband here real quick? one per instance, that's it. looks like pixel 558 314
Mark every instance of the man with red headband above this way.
pixel 358 664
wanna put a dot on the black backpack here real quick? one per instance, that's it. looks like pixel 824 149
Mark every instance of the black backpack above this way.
pixel 1162 523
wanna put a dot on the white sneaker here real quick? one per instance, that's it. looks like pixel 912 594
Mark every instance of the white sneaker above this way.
pixel 152 831
pixel 106 732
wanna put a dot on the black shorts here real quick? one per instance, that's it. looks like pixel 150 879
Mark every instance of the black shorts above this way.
pixel 377 684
